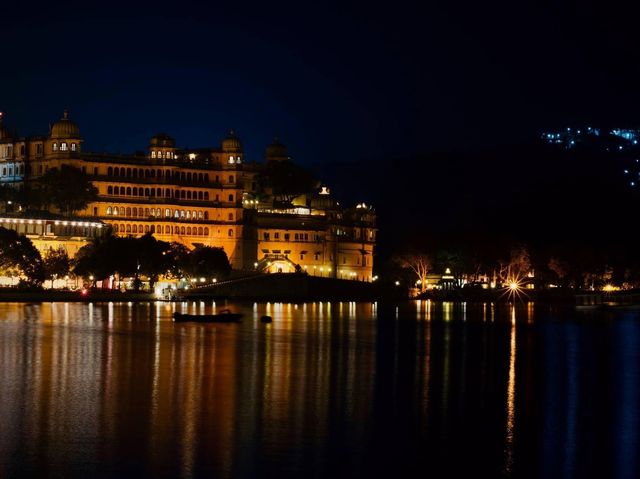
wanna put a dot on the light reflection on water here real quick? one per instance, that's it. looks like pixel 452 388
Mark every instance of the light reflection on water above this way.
pixel 326 390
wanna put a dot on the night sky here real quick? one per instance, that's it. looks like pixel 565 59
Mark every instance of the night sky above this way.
pixel 370 96
pixel 334 82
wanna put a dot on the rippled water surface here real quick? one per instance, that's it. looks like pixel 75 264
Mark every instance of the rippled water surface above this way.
pixel 326 390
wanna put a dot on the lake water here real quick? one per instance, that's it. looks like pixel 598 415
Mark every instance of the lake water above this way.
pixel 326 390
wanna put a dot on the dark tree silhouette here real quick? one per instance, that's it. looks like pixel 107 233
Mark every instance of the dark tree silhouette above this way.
pixel 18 256
pixel 68 189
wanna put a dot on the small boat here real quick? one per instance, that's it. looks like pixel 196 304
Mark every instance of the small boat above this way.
pixel 225 316
pixel 266 319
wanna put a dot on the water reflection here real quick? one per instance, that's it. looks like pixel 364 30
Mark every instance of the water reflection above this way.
pixel 326 390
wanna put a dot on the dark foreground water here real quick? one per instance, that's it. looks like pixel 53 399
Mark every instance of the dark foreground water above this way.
pixel 326 390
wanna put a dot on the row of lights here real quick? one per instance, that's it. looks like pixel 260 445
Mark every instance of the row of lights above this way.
pixel 39 222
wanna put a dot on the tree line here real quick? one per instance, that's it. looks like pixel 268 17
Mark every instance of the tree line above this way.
pixel 144 258
pixel 575 267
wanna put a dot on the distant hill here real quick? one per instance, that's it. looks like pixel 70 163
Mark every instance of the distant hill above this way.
pixel 536 194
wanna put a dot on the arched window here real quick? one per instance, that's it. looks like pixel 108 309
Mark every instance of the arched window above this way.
pixel 135 172
pixel 188 230
pixel 140 212
pixel 176 194
pixel 193 214
pixel 188 214
pixel 200 177
pixel 230 216
pixel 167 213
pixel 182 194
pixel 129 172
pixel 153 173
pixel 146 212
pixel 146 192
pixel 231 198
pixel 200 230
pixel 109 190
pixel 200 195
pixel 152 192
pixel 206 215
pixel 182 176
pixel 176 214
pixel 188 195
pixel 135 212
pixel 135 190
pixel 159 229
pixel 188 176
pixel 128 191
pixel 167 193
pixel 108 210
pixel 146 228
pixel 54 147
pixel 230 233
pixel 128 211
pixel 206 231
pixel 158 191
pixel 128 228
pixel 182 230
pixel 122 211
pixel 135 228
pixel 122 190
pixel 115 228
pixel 110 171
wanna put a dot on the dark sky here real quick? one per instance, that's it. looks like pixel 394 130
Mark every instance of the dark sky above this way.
pixel 336 81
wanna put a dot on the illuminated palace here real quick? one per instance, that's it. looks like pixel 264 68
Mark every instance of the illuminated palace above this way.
pixel 205 196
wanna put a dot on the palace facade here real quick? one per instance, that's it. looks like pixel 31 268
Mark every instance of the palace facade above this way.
pixel 206 196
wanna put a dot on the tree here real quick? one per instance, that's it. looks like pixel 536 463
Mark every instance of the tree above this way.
pixel 56 263
pixel 289 180
pixel 68 189
pixel 560 268
pixel 420 264
pixel 518 267
pixel 18 256
pixel 206 261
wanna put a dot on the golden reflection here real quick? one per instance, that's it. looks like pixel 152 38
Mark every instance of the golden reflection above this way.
pixel 447 311
pixel 511 397
pixel 530 311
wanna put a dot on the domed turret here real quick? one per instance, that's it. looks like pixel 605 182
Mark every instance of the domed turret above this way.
pixel 163 140
pixel 65 128
pixel 231 143
pixel 5 134
pixel 276 151
pixel 162 146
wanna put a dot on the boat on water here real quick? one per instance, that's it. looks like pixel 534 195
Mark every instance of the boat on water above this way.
pixel 225 316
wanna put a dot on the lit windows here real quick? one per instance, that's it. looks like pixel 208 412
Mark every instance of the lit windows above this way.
pixel 63 146
pixel 230 233
pixel 153 154
pixel 54 147
pixel 231 160
pixel 74 146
